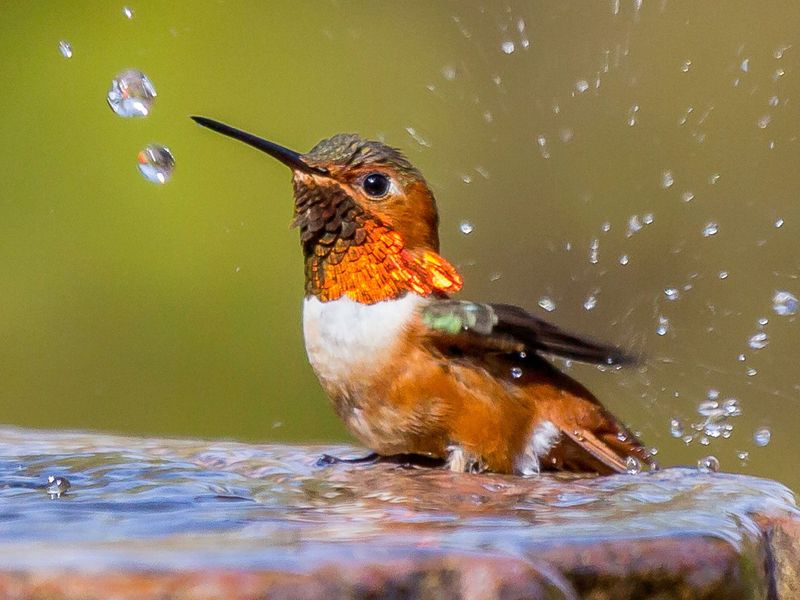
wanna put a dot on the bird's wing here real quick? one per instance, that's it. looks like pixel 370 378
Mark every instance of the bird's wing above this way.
pixel 499 337
pixel 506 329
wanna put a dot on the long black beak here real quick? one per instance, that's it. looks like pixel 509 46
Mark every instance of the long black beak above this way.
pixel 288 157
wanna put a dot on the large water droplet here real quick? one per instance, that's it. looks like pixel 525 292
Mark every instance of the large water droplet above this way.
pixel 65 48
pixel 784 303
pixel 547 303
pixel 582 85
pixel 131 94
pixel 507 47
pixel 710 229
pixel 156 163
pixel 466 227
pixel 762 436
pixel 708 464
pixel 624 259
pixel 516 372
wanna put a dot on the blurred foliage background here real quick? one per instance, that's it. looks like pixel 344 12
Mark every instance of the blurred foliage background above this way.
pixel 175 309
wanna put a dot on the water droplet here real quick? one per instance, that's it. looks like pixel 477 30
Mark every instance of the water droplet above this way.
pixel 723 275
pixel 594 251
pixel 547 303
pixel 708 408
pixel 710 229
pixel 708 464
pixel 784 303
pixel 449 72
pixel 624 259
pixel 65 48
pixel 156 163
pixel 687 196
pixel 507 47
pixel 751 372
pixel 667 179
pixel 779 72
pixel 633 466
pixel 778 53
pixel 778 223
pixel 590 302
pixel 731 407
pixel 56 486
pixel 466 178
pixel 516 372
pixel 713 178
pixel 758 340
pixel 541 140
pixel 132 94
pixel 742 455
pixel 606 227
pixel 417 137
pixel 634 225
pixel 763 121
pixel 466 227
pixel 773 101
pixel 127 11
pixel 581 85
pixel 687 64
pixel 745 65
pixel 676 428
pixel 663 325
pixel 672 293
pixel 762 436
pixel 632 112
pixel 566 135
pixel 648 218
pixel 487 116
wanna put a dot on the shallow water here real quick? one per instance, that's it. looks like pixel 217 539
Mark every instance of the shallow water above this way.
pixel 193 504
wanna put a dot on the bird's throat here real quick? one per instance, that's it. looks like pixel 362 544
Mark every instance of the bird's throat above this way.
pixel 378 268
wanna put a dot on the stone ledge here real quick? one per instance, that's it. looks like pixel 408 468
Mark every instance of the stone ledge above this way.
pixel 162 519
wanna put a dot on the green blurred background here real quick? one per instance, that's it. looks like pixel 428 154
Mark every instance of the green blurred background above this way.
pixel 175 309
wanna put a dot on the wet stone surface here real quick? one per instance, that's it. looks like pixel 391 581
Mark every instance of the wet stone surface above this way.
pixel 149 518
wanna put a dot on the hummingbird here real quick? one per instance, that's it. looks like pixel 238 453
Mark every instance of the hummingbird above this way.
pixel 407 367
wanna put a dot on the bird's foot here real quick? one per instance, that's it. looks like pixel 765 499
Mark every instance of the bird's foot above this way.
pixel 327 459
pixel 406 461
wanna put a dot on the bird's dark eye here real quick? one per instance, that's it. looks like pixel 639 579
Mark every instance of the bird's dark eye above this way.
pixel 376 185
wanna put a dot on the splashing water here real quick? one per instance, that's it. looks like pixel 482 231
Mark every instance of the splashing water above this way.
pixel 708 464
pixel 663 325
pixel 784 303
pixel 547 303
pixel 65 49
pixel 466 227
pixel 762 436
pixel 131 94
pixel 156 163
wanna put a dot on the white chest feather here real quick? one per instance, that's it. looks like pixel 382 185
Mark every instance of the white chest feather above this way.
pixel 344 337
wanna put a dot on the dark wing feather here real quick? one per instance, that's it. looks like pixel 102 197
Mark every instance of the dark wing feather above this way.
pixel 504 328
pixel 540 336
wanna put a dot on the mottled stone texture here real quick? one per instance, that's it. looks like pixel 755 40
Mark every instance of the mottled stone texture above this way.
pixel 149 519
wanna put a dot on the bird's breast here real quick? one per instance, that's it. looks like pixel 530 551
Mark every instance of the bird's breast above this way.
pixel 347 341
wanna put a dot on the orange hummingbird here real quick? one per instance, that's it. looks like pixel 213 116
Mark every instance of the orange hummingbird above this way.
pixel 410 370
